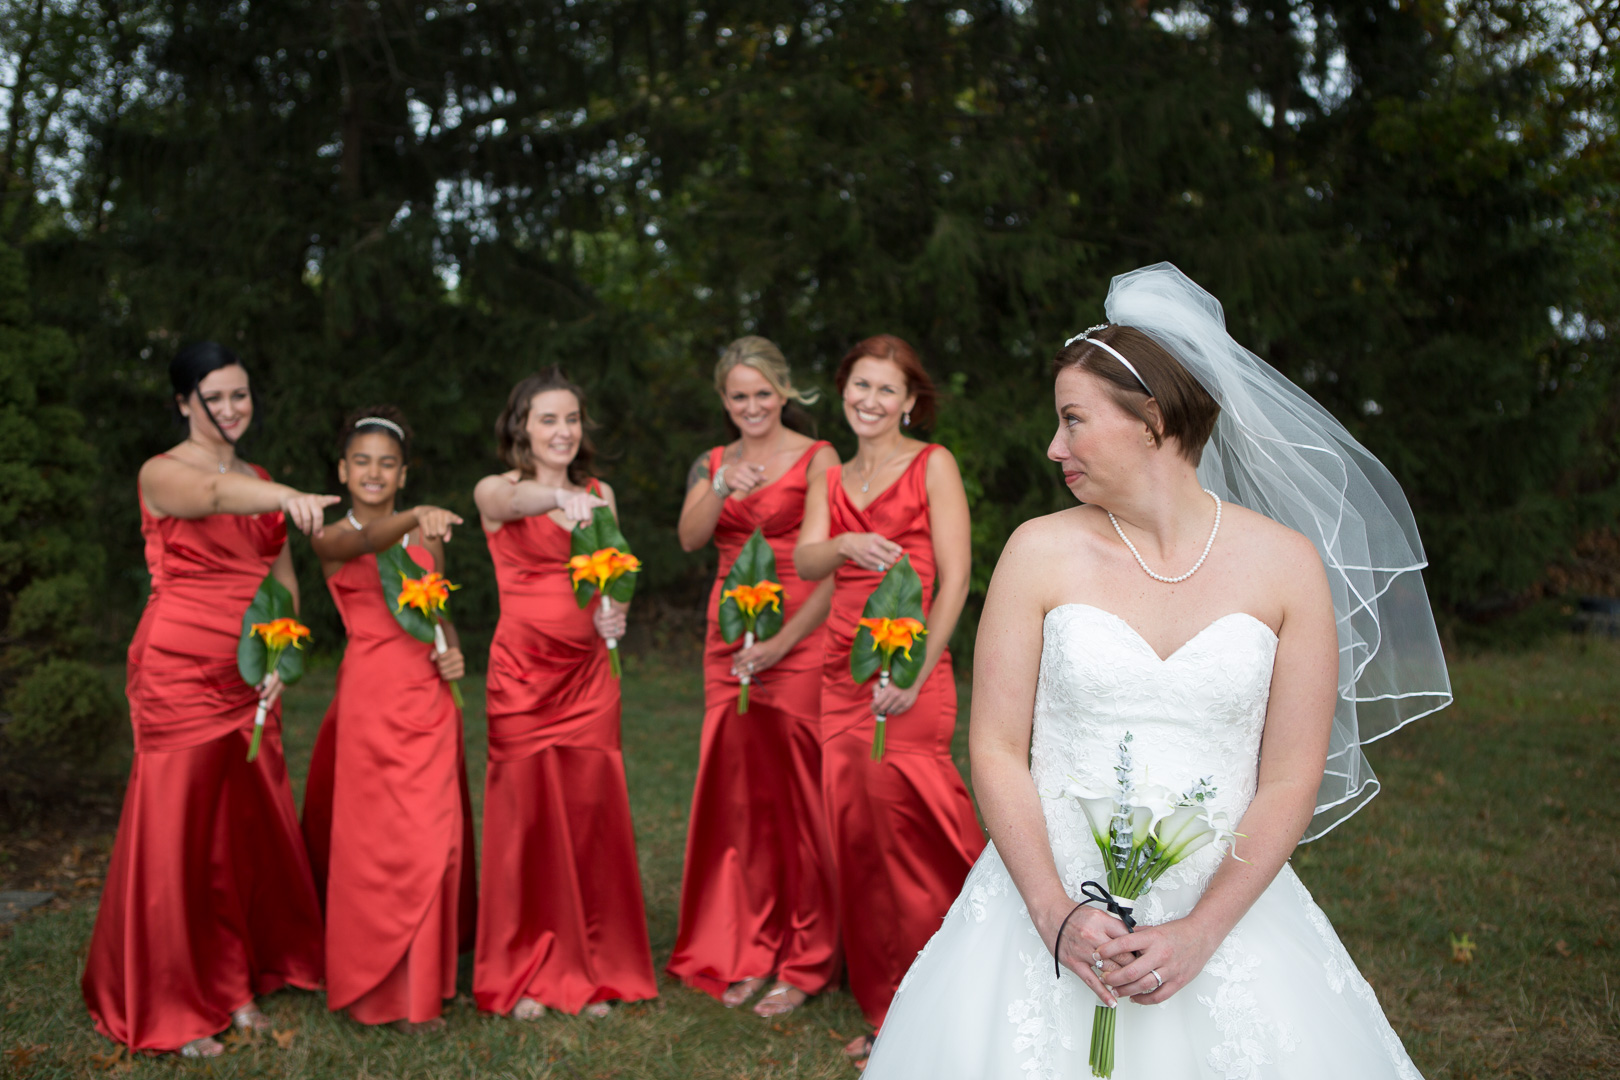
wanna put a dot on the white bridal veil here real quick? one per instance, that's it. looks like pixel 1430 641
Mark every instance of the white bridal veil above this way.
pixel 1279 453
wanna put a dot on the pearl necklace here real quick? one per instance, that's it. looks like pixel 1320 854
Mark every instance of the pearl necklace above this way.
pixel 1207 545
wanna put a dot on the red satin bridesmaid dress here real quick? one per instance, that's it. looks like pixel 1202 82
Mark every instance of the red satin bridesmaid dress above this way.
pixel 903 830
pixel 387 816
pixel 560 913
pixel 208 900
pixel 757 888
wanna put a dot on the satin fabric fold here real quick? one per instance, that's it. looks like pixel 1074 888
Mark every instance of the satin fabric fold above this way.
pixel 208 899
pixel 390 844
pixel 903 830
pixel 757 891
pixel 561 917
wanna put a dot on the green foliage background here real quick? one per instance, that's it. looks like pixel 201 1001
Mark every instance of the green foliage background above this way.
pixel 1409 208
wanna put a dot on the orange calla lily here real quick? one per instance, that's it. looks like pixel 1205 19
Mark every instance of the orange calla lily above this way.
pixel 752 599
pixel 894 635
pixel 603 566
pixel 280 633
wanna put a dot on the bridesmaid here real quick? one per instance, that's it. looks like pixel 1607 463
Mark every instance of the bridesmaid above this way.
pixel 208 899
pixel 561 923
pixel 757 894
pixel 386 811
pixel 903 830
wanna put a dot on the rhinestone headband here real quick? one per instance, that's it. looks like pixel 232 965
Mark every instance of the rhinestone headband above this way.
pixel 1115 353
pixel 378 421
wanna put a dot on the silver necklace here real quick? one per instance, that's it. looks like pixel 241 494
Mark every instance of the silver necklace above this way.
pixel 198 445
pixel 867 485
pixel 1207 545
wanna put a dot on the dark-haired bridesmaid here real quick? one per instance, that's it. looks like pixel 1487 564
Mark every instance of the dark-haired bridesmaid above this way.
pixel 208 900
pixel 561 923
pixel 386 810
pixel 903 829
pixel 757 890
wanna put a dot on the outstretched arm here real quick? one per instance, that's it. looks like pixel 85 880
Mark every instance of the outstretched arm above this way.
pixel 501 500
pixel 172 489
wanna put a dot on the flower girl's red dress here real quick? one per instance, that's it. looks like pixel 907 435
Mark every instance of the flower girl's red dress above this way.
pixel 387 817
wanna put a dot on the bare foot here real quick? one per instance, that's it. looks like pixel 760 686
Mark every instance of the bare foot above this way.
pixel 418 1027
pixel 528 1009
pixel 739 992
pixel 205 1047
pixel 250 1018
pixel 780 1000
pixel 598 1010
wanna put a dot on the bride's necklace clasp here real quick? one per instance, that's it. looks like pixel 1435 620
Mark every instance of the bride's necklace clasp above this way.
pixel 1160 577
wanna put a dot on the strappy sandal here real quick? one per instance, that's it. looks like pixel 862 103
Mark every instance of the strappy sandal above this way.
pixel 778 1001
pixel 250 1018
pixel 528 1009
pixel 205 1047
pixel 859 1049
pixel 598 1010
pixel 741 990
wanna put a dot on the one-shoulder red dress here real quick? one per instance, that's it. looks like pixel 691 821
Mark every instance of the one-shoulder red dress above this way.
pixel 208 899
pixel 903 830
pixel 387 816
pixel 757 888
pixel 560 912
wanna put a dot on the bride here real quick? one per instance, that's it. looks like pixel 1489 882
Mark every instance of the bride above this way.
pixel 1238 594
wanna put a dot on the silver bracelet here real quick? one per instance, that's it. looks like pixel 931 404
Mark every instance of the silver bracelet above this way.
pixel 721 488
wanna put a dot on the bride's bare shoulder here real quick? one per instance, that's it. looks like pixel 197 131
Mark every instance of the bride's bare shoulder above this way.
pixel 1063 538
pixel 1268 543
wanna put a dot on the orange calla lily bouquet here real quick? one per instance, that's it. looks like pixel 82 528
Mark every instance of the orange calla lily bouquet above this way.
pixel 272 640
pixel 891 625
pixel 751 602
pixel 602 563
pixel 417 598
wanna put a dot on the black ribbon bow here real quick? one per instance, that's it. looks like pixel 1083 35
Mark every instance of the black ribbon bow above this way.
pixel 1099 894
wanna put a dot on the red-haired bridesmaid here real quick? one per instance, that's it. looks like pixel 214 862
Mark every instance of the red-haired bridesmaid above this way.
pixel 208 899
pixel 386 810
pixel 561 923
pixel 757 889
pixel 903 830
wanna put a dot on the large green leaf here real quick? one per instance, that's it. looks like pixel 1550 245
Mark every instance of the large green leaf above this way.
pixel 756 562
pixel 898 596
pixel 270 603
pixel 602 531
pixel 393 566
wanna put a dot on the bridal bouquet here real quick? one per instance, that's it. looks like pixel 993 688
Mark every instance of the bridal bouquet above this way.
pixel 891 623
pixel 751 601
pixel 602 563
pixel 272 640
pixel 418 598
pixel 1142 831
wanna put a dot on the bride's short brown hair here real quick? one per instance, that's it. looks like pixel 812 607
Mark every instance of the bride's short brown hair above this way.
pixel 1187 411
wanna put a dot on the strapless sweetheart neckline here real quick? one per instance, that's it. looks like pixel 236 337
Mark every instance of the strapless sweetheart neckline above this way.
pixel 1177 651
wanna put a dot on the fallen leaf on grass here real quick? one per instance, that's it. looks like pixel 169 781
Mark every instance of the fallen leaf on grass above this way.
pixel 1462 949
pixel 1561 947
pixel 284 1039
pixel 22 1055
pixel 118 1059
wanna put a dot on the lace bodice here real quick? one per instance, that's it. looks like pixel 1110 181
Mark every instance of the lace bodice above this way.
pixel 1197 714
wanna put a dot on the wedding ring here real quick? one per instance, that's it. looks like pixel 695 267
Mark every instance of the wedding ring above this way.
pixel 1157 979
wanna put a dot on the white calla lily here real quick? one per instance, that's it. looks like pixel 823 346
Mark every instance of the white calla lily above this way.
pixel 1099 815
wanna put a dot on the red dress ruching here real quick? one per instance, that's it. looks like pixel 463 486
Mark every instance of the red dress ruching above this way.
pixel 208 899
pixel 387 816
pixel 560 914
pixel 757 888
pixel 903 830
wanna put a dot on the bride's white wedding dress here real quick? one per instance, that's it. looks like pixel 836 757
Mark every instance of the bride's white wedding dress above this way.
pixel 1279 998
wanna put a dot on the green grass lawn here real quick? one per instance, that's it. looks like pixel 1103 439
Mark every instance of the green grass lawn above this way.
pixel 1496 831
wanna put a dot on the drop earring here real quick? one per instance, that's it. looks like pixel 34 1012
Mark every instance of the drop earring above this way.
pixel 905 418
